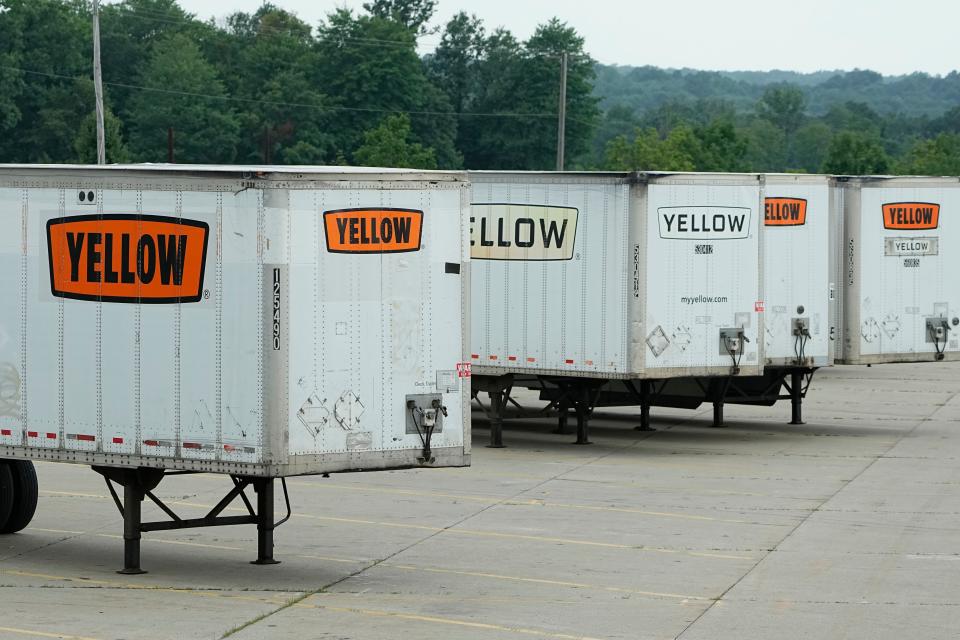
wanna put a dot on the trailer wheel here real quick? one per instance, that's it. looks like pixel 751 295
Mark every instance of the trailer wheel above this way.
pixel 25 490
pixel 6 493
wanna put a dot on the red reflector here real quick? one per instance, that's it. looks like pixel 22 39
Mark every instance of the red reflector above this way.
pixel 191 445
pixel 151 443
pixel 569 361
pixel 5 432
pixel 118 441
pixel 32 434
pixel 85 437
pixel 51 436
pixel 512 358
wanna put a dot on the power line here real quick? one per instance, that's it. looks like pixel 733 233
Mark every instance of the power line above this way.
pixel 301 105
pixel 170 19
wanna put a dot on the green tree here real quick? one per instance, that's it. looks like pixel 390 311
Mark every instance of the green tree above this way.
pixel 413 14
pixel 85 144
pixel 766 146
pixel 269 60
pixel 810 146
pixel 522 82
pixel 40 112
pixel 855 153
pixel 128 31
pixel 390 145
pixel 453 66
pixel 721 148
pixel 370 81
pixel 649 152
pixel 183 92
pixel 784 106
pixel 937 157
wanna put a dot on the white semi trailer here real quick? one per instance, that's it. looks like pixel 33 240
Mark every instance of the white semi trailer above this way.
pixel 610 287
pixel 898 269
pixel 254 322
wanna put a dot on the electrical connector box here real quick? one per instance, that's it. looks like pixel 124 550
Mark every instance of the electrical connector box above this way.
pixel 801 326
pixel 423 412
pixel 937 330
pixel 731 341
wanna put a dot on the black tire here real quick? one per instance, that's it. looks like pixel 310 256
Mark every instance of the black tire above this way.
pixel 6 493
pixel 25 490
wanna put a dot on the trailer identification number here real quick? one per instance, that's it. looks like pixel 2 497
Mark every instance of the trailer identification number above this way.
pixel 276 309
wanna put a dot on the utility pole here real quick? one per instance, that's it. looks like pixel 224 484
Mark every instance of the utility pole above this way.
pixel 98 85
pixel 562 117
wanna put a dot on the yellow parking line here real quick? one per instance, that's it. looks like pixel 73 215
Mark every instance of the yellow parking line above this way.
pixel 486 626
pixel 43 634
pixel 143 587
pixel 559 583
pixel 180 542
pixel 73 494
pixel 473 532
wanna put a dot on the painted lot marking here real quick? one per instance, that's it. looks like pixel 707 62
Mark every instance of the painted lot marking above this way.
pixel 464 532
pixel 116 584
pixel 385 565
pixel 446 621
pixel 558 583
pixel 43 634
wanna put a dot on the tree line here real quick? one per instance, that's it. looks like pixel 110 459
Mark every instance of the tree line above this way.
pixel 266 87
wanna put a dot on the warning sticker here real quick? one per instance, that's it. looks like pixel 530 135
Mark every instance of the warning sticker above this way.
pixel 463 369
pixel 758 306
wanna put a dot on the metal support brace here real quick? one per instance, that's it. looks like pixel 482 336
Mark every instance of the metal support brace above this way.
pixel 498 404
pixel 720 387
pixel 796 396
pixel 138 483
pixel 563 416
pixel 718 413
pixel 264 490
pixel 645 406
pixel 132 510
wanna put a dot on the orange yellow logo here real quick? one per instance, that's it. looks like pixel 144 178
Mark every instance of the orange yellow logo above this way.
pixel 127 258
pixel 911 215
pixel 373 230
pixel 784 212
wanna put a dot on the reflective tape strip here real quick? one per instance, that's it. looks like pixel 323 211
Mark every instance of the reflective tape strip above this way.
pixel 569 361
pixel 51 436
pixel 512 358
pixel 475 356
pixel 32 434
pixel 118 441
pixel 6 432
pixel 493 357
pixel 531 359
pixel 84 437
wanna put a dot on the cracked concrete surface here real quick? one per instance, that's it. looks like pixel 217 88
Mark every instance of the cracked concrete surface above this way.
pixel 846 527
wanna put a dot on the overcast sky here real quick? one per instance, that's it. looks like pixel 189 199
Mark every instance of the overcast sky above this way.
pixel 889 36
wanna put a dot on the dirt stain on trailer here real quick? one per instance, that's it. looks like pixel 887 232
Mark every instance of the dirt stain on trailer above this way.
pixel 10 396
